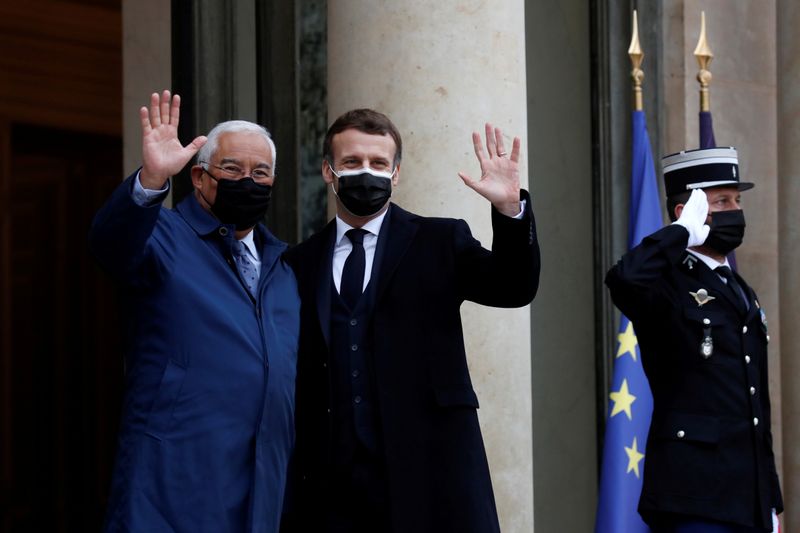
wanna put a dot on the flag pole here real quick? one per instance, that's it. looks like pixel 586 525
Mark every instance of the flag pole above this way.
pixel 704 56
pixel 636 55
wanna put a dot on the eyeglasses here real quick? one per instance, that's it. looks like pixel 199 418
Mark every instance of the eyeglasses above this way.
pixel 235 172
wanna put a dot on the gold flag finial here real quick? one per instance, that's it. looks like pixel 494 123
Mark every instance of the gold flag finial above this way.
pixel 704 56
pixel 636 55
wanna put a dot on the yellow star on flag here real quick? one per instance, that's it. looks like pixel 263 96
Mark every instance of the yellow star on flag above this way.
pixel 627 342
pixel 622 400
pixel 634 456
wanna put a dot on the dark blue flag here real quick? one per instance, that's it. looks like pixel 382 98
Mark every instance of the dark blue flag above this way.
pixel 631 403
pixel 706 131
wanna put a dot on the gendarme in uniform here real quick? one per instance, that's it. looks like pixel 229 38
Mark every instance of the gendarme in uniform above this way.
pixel 703 337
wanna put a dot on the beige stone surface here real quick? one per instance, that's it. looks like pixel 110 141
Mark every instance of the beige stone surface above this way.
pixel 788 42
pixel 146 67
pixel 440 71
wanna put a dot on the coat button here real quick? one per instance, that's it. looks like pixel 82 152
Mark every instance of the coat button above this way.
pixel 324 365
pixel 357 399
pixel 744 329
pixel 354 347
pixel 223 231
pixel 706 321
pixel 755 421
pixel 681 433
pixel 353 322
pixel 747 359
pixel 355 373
pixel 752 391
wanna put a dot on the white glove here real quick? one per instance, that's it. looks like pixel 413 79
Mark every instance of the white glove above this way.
pixel 693 218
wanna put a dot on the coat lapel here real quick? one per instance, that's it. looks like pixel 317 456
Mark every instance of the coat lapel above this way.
pixel 708 278
pixel 325 279
pixel 393 242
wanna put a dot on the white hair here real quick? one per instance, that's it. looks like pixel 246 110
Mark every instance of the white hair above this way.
pixel 233 126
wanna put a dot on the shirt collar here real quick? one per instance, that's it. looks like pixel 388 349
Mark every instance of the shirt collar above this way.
pixel 250 243
pixel 710 262
pixel 373 226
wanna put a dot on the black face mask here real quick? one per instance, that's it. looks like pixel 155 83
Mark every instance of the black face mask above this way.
pixel 727 231
pixel 365 193
pixel 241 202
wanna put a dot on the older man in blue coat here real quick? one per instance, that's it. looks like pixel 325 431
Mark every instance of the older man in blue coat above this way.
pixel 207 425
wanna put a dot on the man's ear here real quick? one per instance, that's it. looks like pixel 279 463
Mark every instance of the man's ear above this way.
pixel 678 211
pixel 396 175
pixel 197 176
pixel 327 174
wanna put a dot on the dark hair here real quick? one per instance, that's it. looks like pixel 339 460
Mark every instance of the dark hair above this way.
pixel 675 200
pixel 366 121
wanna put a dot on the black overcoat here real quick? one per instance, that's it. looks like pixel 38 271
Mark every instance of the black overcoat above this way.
pixel 709 450
pixel 435 460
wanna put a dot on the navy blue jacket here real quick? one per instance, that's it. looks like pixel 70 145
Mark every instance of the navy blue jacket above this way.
pixel 207 424
pixel 709 450
pixel 435 461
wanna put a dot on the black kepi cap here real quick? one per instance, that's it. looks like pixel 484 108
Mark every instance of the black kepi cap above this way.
pixel 702 169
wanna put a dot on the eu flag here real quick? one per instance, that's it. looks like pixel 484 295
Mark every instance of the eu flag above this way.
pixel 631 403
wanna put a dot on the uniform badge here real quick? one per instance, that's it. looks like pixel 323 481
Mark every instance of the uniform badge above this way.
pixel 701 297
pixel 707 347
pixel 762 314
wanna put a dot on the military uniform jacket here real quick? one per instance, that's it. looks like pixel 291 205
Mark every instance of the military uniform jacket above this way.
pixel 425 268
pixel 709 450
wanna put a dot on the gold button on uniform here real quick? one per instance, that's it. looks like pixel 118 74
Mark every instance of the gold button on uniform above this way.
pixel 681 433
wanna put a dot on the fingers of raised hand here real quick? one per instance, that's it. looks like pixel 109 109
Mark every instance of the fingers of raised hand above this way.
pixel 164 107
pixel 699 204
pixel 468 181
pixel 175 110
pixel 516 146
pixel 499 144
pixel 491 141
pixel 477 145
pixel 164 110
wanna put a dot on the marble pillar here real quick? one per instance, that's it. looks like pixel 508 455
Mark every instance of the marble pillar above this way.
pixel 440 71
pixel 788 42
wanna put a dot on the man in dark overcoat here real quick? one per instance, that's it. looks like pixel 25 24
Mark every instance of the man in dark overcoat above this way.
pixel 387 427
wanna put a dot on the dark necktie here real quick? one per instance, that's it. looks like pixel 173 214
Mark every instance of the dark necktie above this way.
pixel 246 267
pixel 741 297
pixel 353 273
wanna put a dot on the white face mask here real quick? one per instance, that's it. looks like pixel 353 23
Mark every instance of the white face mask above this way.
pixel 363 170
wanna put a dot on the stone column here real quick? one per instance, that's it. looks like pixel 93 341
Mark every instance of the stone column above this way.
pixel 788 41
pixel 440 70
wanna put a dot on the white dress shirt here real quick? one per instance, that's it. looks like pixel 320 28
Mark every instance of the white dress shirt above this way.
pixel 712 263
pixel 342 247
